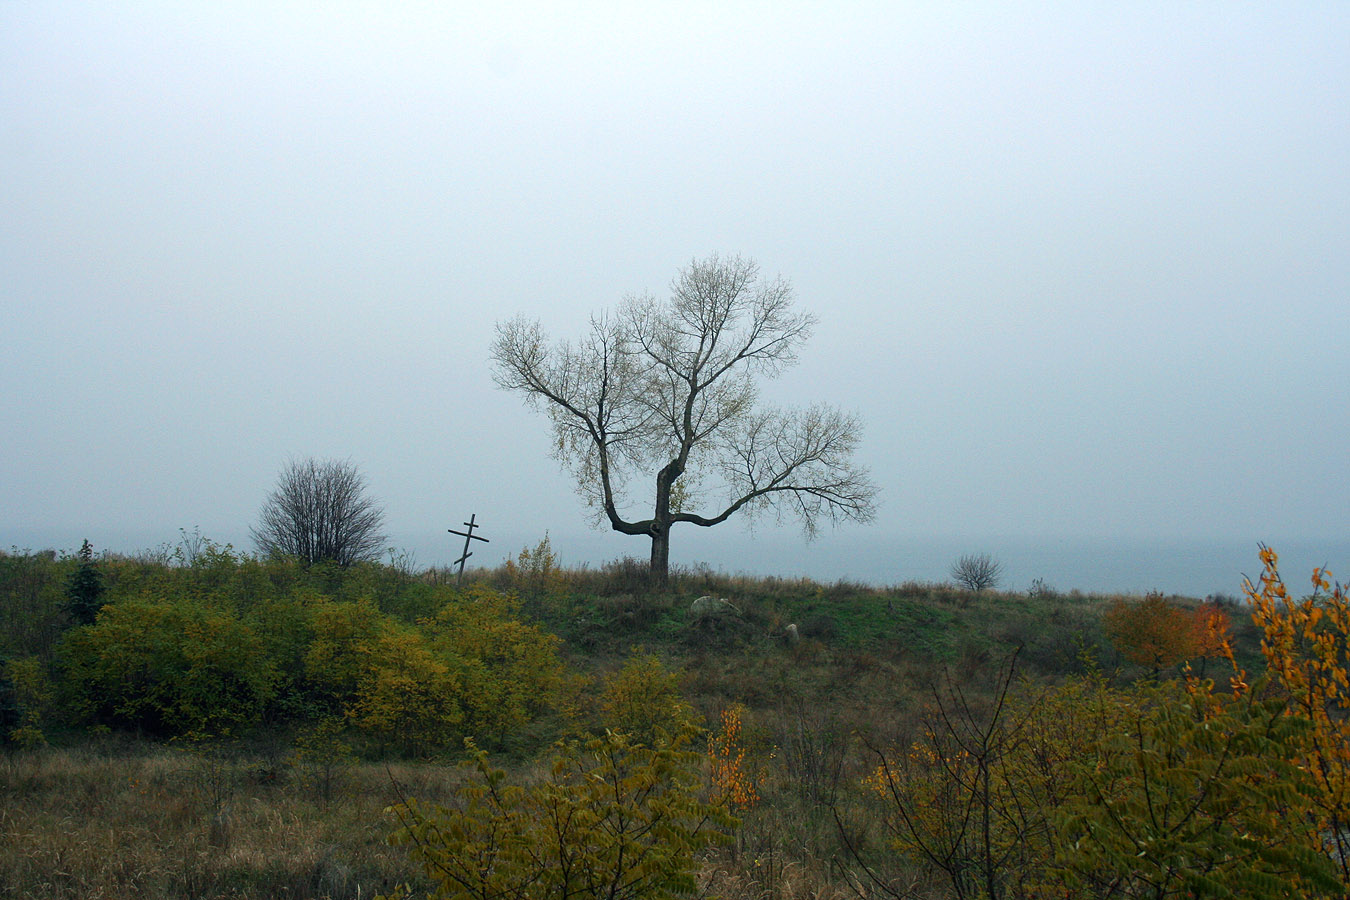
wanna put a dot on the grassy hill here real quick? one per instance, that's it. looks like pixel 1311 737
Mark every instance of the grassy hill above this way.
pixel 290 802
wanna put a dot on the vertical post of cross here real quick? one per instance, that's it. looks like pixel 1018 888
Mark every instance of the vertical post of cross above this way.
pixel 468 536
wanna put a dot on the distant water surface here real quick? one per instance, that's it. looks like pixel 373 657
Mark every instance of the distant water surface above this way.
pixel 1195 568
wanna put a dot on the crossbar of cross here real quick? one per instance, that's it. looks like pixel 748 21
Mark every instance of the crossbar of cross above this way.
pixel 468 536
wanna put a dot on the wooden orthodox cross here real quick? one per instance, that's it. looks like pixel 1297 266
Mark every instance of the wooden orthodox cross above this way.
pixel 468 536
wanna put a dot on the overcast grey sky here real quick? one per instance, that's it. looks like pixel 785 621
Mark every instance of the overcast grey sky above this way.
pixel 1081 268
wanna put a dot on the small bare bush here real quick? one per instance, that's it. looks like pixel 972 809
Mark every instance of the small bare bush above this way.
pixel 977 571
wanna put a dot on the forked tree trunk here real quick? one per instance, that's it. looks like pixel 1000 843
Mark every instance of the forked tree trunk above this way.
pixel 660 565
pixel 660 526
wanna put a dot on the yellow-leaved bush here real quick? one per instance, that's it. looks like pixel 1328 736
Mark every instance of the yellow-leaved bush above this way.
pixel 342 651
pixel 167 666
pixel 1306 643
pixel 508 671
pixel 408 698
pixel 474 669
pixel 732 778
pixel 642 699
pixel 612 818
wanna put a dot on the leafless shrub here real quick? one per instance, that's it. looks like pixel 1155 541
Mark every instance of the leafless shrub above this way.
pixel 977 571
pixel 320 512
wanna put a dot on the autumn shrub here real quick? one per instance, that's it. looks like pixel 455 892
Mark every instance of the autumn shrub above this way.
pixel 472 669
pixel 627 575
pixel 534 571
pixel 969 800
pixel 1157 634
pixel 341 651
pixel 733 777
pixel 1170 789
pixel 285 625
pixel 1306 645
pixel 1200 794
pixel 408 697
pixel 643 700
pixel 33 602
pixel 611 819
pixel 166 666
pixel 508 670
pixel 25 700
pixel 212 570
pixel 1150 632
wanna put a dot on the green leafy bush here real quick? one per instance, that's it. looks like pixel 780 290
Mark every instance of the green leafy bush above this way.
pixel 167 666
pixel 508 671
pixel 1198 796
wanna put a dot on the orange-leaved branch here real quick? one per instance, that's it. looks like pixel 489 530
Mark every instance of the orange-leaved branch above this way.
pixel 1305 643
pixel 733 782
pixel 1158 634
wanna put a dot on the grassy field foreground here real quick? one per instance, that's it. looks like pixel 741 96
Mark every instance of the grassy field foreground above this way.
pixel 102 814
pixel 142 821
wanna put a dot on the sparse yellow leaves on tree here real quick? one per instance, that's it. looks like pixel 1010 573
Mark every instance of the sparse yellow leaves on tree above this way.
pixel 733 781
pixel 1306 643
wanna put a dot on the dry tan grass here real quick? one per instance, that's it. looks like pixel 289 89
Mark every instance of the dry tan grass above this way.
pixel 155 823
pixel 163 823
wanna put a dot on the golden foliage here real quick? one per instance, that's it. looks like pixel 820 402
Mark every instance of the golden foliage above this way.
pixel 612 819
pixel 643 700
pixel 535 570
pixel 1157 634
pixel 732 780
pixel 341 651
pixel 408 696
pixel 473 669
pixel 507 670
pixel 1305 645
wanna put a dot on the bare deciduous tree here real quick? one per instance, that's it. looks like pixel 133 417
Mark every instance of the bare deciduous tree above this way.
pixel 318 512
pixel 670 388
pixel 977 571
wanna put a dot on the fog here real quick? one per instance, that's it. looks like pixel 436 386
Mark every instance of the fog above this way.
pixel 1080 269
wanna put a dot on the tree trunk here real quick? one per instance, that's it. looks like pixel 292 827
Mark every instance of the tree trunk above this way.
pixel 660 526
pixel 660 565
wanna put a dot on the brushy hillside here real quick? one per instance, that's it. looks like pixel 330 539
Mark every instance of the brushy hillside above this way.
pixel 201 723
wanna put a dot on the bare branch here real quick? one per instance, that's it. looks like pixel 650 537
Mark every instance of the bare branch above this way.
pixel 670 388
pixel 319 511
pixel 798 461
